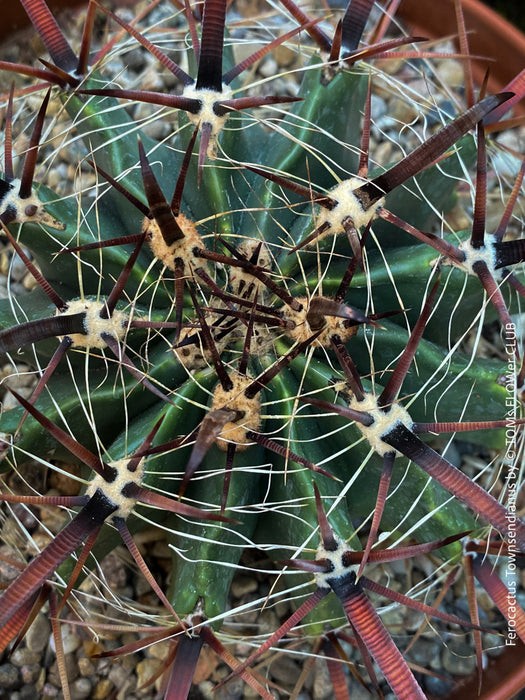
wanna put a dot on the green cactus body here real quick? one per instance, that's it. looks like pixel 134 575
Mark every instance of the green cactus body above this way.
pixel 198 583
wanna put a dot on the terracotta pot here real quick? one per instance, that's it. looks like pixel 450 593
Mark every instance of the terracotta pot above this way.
pixel 503 678
pixel 14 16
pixel 489 35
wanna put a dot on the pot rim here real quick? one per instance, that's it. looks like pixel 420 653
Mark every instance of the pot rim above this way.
pixel 489 34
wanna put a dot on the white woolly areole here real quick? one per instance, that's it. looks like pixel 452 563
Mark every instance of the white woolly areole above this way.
pixel 243 283
pixel 196 355
pixel 182 249
pixel 206 115
pixel 348 206
pixel 336 558
pixel 195 619
pixel 113 491
pixel 302 330
pixel 94 325
pixel 383 423
pixel 486 254
pixel 28 210
pixel 236 400
pixel 332 69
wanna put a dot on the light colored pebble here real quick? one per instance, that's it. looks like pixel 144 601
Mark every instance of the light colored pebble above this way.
pixel 70 641
pixel 379 106
pixel 81 689
pixel 102 689
pixel 85 180
pixel 269 68
pixel 85 666
pixel 145 670
pixel 284 56
pixel 17 269
pixel 29 283
pixel 24 657
pixel 151 80
pixel 159 650
pixel 157 129
pixel 120 676
pixel 37 636
pixel 322 686
pixel 451 73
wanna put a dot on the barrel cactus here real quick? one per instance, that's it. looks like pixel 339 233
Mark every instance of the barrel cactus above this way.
pixel 250 334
